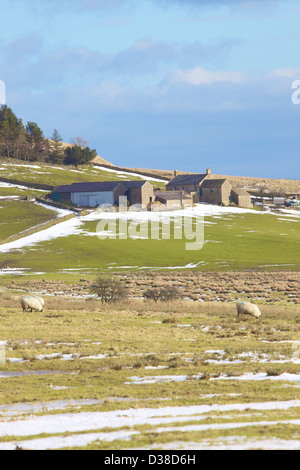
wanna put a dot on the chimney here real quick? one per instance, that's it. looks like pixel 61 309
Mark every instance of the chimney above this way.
pixel 208 171
pixel 176 173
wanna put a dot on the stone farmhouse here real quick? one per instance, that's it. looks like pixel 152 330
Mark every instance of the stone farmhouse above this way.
pixel 188 183
pixel 215 191
pixel 182 191
pixel 205 188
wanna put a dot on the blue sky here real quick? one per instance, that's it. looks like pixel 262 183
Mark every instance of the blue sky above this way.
pixel 160 83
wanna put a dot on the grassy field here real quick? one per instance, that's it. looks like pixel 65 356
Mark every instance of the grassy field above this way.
pixel 240 241
pixel 17 216
pixel 8 191
pixel 138 361
pixel 54 176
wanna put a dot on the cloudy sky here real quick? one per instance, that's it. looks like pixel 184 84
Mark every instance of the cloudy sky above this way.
pixel 167 84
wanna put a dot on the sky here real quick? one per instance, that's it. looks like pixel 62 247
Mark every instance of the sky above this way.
pixel 167 84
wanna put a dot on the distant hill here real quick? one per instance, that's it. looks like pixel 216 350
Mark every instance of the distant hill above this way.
pixel 100 161
pixel 252 184
pixel 255 184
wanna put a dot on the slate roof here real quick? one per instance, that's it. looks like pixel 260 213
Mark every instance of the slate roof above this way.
pixel 132 184
pixel 171 195
pixel 240 191
pixel 213 183
pixel 98 186
pixel 182 180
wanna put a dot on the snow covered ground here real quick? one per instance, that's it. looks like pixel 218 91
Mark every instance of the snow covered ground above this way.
pixel 165 419
pixel 75 226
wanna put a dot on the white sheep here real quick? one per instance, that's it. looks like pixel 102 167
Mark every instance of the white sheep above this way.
pixel 247 308
pixel 40 299
pixel 31 303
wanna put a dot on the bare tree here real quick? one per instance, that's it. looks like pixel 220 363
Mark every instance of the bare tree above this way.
pixel 80 141
pixel 152 294
pixel 109 289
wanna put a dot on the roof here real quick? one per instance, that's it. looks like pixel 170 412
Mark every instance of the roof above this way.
pixel 213 183
pixel 171 195
pixel 187 179
pixel 98 186
pixel 132 184
pixel 240 191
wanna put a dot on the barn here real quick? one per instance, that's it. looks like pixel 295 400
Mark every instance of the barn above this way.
pixel 89 194
pixel 241 197
pixel 215 191
pixel 138 192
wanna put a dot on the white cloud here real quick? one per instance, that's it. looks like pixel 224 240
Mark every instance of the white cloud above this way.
pixel 198 76
pixel 288 72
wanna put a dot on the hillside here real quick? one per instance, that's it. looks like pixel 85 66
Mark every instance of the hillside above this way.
pixel 98 160
pixel 250 183
pixel 43 176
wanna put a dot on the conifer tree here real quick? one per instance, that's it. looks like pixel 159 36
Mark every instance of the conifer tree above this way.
pixel 8 131
pixel 56 148
pixel 37 142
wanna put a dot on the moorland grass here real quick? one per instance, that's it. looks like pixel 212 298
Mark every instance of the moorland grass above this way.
pixel 104 346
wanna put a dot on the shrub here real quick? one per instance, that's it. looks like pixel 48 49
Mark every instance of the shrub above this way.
pixel 152 294
pixel 164 294
pixel 109 289
pixel 169 293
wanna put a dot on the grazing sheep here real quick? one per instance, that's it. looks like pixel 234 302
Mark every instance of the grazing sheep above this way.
pixel 31 303
pixel 246 308
pixel 40 299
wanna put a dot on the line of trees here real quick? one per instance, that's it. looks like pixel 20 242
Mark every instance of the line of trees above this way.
pixel 28 143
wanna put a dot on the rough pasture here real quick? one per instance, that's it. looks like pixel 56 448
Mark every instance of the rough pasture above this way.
pixel 102 373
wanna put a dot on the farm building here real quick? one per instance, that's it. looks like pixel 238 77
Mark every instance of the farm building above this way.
pixel 241 197
pixel 206 188
pixel 95 194
pixel 187 183
pixel 138 192
pixel 174 199
pixel 89 194
pixel 215 191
